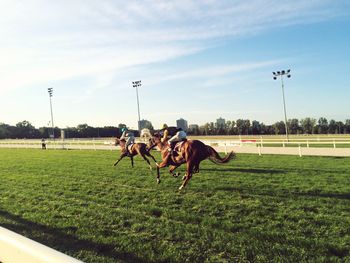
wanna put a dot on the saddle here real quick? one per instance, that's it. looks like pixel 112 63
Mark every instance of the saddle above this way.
pixel 177 147
pixel 130 146
pixel 128 149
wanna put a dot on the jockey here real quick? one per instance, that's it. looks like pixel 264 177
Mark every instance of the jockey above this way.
pixel 167 132
pixel 129 138
pixel 176 134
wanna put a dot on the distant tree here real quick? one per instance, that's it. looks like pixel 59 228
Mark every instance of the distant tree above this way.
pixel 44 132
pixel 340 127
pixel 322 125
pixel 204 129
pixel 279 127
pixel 293 126
pixel 240 126
pixel 332 127
pixel 246 126
pixel 231 128
pixel 347 126
pixel 25 129
pixel 4 131
pixel 263 129
pixel 210 128
pixel 308 125
pixel 256 128
pixel 109 131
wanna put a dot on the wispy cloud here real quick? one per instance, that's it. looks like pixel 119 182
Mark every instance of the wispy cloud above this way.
pixel 47 41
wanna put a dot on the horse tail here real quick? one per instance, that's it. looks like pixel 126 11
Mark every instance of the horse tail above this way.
pixel 215 157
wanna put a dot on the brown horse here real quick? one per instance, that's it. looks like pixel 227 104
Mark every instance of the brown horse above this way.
pixel 136 149
pixel 191 152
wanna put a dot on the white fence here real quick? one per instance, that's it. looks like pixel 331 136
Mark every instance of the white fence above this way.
pixel 15 248
pixel 322 146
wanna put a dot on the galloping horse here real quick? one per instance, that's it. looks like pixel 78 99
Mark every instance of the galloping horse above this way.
pixel 136 148
pixel 191 152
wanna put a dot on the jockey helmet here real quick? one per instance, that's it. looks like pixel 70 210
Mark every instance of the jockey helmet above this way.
pixel 164 126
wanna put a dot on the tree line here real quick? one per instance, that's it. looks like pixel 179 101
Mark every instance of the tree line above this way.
pixel 294 126
pixel 25 129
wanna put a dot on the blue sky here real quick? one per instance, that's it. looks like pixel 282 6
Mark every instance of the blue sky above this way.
pixel 197 60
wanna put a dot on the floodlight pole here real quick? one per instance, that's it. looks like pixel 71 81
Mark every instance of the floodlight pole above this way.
pixel 137 84
pixel 281 74
pixel 50 91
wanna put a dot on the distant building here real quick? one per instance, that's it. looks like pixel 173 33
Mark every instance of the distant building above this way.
pixel 145 124
pixel 181 123
pixel 220 123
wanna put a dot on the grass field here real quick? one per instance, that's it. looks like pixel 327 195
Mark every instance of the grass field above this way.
pixel 255 209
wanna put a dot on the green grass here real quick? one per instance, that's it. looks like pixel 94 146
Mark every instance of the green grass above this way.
pixel 304 145
pixel 255 209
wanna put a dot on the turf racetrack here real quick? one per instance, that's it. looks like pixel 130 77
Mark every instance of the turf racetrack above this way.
pixel 255 209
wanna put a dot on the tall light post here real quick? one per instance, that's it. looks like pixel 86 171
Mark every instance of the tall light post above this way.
pixel 281 74
pixel 137 84
pixel 50 91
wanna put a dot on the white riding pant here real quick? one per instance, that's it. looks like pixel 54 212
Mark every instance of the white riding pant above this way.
pixel 177 137
pixel 129 140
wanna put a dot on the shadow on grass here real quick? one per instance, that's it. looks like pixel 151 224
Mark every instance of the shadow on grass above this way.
pixel 58 239
pixel 326 195
pixel 284 194
pixel 241 170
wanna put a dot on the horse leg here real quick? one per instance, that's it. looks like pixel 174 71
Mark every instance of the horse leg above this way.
pixel 162 164
pixel 145 158
pixel 120 158
pixel 132 161
pixel 158 175
pixel 171 170
pixel 165 161
pixel 150 155
pixel 189 171
pixel 196 168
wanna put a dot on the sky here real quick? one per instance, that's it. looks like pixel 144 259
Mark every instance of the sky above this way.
pixel 197 60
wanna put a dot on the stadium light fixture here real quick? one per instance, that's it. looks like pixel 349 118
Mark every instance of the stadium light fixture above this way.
pixel 137 84
pixel 281 74
pixel 50 91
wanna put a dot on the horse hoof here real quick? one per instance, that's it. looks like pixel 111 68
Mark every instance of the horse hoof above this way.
pixel 176 175
pixel 158 181
pixel 180 188
pixel 150 168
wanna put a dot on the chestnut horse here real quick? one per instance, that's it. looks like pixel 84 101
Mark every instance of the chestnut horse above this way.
pixel 136 149
pixel 191 152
